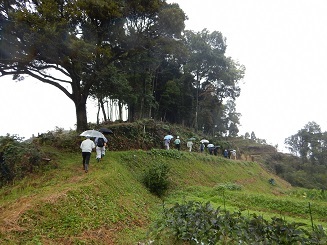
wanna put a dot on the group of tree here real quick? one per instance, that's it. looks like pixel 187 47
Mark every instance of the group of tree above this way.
pixel 136 53
pixel 307 165
pixel 310 144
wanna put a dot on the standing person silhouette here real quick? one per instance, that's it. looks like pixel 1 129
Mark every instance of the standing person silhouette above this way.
pixel 177 143
pixel 100 147
pixel 87 146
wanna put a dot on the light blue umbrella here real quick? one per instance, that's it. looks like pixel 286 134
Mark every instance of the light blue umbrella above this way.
pixel 168 137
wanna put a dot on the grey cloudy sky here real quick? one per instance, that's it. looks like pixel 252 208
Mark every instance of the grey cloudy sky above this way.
pixel 283 46
pixel 281 43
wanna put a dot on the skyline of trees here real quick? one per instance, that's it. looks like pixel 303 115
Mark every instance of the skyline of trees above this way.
pixel 137 54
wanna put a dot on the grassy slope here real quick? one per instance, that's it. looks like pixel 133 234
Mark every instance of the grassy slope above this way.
pixel 109 205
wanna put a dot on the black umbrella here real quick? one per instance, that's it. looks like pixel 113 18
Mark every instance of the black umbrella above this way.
pixel 105 131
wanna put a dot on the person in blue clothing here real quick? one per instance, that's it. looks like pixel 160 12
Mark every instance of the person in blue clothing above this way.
pixel 225 153
pixel 202 147
pixel 100 147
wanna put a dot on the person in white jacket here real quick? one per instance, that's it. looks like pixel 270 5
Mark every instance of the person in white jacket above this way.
pixel 87 146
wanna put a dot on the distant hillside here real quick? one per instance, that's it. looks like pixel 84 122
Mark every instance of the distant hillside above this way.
pixel 148 134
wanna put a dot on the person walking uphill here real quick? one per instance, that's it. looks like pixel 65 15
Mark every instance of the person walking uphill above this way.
pixel 100 147
pixel 87 146
pixel 177 143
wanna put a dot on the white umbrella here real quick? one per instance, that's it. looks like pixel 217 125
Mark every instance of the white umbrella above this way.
pixel 204 141
pixel 92 133
pixel 210 145
pixel 168 137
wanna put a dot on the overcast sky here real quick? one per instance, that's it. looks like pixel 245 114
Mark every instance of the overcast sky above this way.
pixel 282 44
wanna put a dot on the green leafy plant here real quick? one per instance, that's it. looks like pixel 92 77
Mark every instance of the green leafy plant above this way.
pixel 18 159
pixel 156 178
pixel 199 223
pixel 175 154
pixel 228 186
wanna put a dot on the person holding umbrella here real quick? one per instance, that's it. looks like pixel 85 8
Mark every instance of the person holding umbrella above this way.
pixel 87 146
pixel 202 146
pixel 167 139
pixel 210 148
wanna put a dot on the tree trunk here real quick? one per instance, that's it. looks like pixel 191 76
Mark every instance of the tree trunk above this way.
pixel 80 107
pixel 98 113
pixel 120 107
pixel 103 110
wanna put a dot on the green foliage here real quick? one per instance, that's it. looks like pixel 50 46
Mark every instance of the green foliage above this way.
pixel 156 178
pixel 175 154
pixel 67 206
pixel 19 159
pixel 228 186
pixel 63 140
pixel 199 223
pixel 310 194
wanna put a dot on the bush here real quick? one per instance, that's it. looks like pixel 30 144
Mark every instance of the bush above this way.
pixel 228 186
pixel 18 159
pixel 196 223
pixel 63 140
pixel 156 178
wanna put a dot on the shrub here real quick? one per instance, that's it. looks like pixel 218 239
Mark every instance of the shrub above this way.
pixel 228 186
pixel 196 223
pixel 156 178
pixel 61 139
pixel 18 159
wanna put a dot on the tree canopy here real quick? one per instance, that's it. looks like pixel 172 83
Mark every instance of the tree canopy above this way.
pixel 136 53
pixel 309 143
pixel 63 42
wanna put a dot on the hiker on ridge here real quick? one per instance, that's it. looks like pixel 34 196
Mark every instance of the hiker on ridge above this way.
pixel 87 145
pixel 100 147
pixel 177 143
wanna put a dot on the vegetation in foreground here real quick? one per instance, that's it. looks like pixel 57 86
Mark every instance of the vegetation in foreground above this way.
pixel 145 193
pixel 111 204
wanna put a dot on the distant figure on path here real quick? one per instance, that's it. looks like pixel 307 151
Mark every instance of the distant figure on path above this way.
pixel 211 147
pixel 189 145
pixel 87 145
pixel 225 153
pixel 233 154
pixel 202 147
pixel 167 141
pixel 177 143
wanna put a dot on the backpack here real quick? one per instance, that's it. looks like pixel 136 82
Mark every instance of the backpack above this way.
pixel 100 142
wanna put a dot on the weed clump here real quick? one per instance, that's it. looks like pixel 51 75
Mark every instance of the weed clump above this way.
pixel 155 178
pixel 228 186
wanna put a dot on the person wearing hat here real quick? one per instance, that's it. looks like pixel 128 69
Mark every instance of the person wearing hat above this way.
pixel 177 143
pixel 87 146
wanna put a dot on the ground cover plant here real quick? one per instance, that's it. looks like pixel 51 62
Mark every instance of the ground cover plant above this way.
pixel 199 223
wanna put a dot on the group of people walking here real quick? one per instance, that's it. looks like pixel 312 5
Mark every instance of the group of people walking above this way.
pixel 212 149
pixel 100 143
